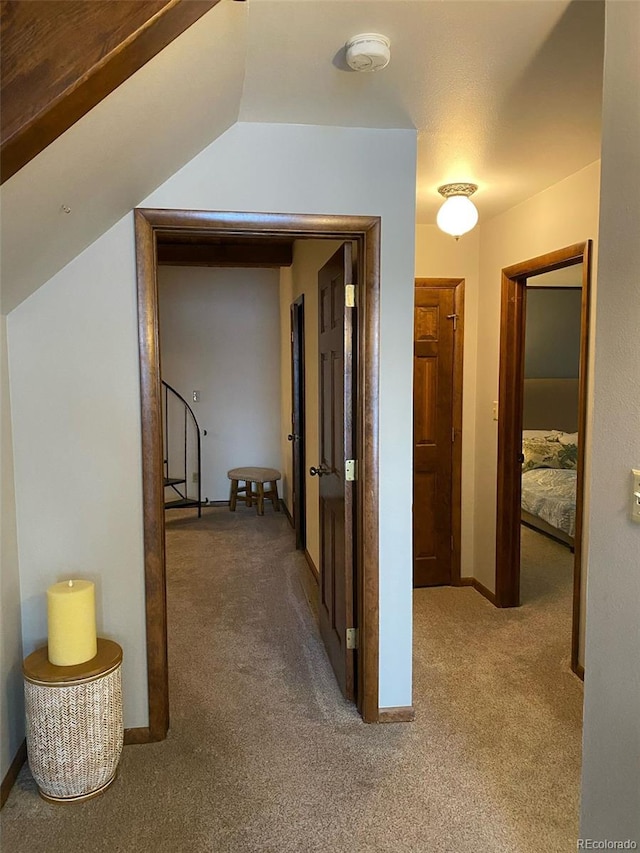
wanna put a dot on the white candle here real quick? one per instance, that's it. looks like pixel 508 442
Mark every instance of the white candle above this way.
pixel 71 612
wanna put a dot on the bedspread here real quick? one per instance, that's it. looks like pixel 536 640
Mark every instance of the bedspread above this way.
pixel 550 493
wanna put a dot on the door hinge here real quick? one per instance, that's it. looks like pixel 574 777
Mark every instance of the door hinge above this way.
pixel 353 638
pixel 453 317
pixel 453 434
pixel 452 548
pixel 350 470
pixel 350 295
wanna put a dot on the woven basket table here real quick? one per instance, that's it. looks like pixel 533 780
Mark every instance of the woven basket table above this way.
pixel 74 723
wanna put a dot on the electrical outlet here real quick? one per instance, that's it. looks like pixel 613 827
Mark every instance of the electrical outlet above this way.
pixel 196 396
pixel 495 410
pixel 194 477
pixel 635 495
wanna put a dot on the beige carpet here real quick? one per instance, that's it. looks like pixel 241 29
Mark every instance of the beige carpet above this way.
pixel 264 755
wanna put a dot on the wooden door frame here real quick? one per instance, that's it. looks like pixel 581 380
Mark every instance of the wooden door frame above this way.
pixel 150 224
pixel 298 404
pixel 510 397
pixel 457 285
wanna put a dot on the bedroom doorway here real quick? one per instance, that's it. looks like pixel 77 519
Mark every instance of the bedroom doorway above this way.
pixel 543 378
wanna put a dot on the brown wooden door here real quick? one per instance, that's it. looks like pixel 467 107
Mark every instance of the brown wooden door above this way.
pixel 433 434
pixel 297 434
pixel 335 339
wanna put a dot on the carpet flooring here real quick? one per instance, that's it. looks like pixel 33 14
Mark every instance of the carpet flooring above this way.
pixel 264 755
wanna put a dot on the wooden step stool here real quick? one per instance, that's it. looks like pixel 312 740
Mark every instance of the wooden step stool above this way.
pixel 246 493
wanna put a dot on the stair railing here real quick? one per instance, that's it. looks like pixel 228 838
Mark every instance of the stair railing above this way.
pixel 174 482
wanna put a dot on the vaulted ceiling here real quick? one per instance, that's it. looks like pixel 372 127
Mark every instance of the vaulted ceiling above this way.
pixel 504 94
pixel 62 57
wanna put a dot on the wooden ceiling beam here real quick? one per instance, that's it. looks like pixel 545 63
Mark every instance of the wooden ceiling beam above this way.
pixel 62 57
pixel 265 254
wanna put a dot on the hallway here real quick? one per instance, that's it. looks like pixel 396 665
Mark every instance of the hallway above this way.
pixel 264 755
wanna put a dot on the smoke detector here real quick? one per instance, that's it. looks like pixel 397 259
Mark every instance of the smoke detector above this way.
pixel 368 52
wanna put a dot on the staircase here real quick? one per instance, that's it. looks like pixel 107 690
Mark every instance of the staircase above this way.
pixel 181 446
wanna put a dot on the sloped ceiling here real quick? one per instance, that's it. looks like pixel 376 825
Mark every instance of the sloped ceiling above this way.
pixel 504 94
pixel 60 58
pixel 120 151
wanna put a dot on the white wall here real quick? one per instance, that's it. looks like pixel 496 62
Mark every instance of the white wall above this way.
pixel 611 754
pixel 73 360
pixel 440 256
pixel 220 335
pixel 75 381
pixel 306 169
pixel 11 697
pixel 564 214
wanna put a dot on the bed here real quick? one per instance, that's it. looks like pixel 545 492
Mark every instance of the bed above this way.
pixel 550 455
pixel 549 502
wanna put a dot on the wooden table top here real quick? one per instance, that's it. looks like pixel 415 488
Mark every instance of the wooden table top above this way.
pixel 37 668
pixel 254 475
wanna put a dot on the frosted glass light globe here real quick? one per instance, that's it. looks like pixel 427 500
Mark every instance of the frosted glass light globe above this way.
pixel 457 215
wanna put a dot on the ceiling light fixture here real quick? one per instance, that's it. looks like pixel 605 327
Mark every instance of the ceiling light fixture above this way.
pixel 458 214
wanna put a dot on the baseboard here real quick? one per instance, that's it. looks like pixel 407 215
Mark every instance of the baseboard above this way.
pixel 285 510
pixel 578 670
pixel 312 565
pixel 397 715
pixel 12 773
pixel 481 588
pixel 139 735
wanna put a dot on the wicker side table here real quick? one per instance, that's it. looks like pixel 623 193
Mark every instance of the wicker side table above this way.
pixel 74 723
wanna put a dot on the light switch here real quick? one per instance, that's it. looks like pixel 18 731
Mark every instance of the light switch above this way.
pixel 196 396
pixel 635 496
pixel 495 410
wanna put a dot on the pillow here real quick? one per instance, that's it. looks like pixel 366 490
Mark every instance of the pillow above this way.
pixel 541 433
pixel 548 453
pixel 568 455
pixel 568 438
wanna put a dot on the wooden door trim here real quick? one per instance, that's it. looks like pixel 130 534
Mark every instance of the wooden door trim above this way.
pixel 150 224
pixel 457 285
pixel 583 387
pixel 510 397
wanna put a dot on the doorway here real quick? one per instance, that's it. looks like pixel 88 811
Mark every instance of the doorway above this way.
pixel 515 283
pixel 364 232
pixel 437 430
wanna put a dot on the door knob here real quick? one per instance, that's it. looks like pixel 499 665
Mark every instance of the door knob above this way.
pixel 320 471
